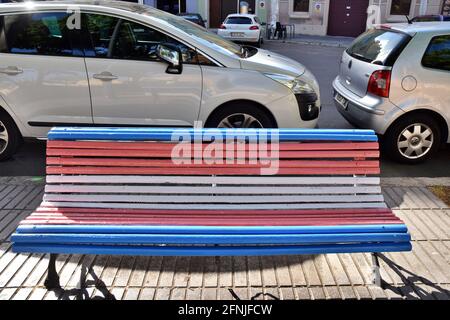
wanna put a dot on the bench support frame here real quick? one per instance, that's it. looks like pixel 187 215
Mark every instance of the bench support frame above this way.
pixel 52 280
pixel 376 276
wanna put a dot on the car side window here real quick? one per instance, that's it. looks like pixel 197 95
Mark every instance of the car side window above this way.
pixel 437 55
pixel 40 34
pixel 122 39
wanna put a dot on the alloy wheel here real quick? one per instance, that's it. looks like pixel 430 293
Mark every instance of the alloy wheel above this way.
pixel 240 120
pixel 415 141
pixel 3 137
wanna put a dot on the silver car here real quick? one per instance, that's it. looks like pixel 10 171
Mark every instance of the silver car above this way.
pixel 107 63
pixel 395 79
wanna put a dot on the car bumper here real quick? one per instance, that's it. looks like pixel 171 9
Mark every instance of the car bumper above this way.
pixel 253 36
pixel 365 112
pixel 286 112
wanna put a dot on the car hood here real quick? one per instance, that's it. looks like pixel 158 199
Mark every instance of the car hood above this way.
pixel 270 62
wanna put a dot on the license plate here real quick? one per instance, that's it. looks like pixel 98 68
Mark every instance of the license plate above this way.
pixel 237 34
pixel 341 100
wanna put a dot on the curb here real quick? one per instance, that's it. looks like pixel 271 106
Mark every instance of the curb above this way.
pixel 311 43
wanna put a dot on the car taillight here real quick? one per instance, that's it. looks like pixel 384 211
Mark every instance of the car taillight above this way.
pixel 380 83
pixel 254 28
pixel 222 26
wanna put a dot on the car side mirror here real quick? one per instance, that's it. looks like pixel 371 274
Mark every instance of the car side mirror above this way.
pixel 171 54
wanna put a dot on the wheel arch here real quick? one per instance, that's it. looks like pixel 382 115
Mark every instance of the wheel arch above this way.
pixel 443 125
pixel 258 105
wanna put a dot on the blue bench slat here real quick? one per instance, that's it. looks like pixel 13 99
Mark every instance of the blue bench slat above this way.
pixel 210 251
pixel 148 239
pixel 108 229
pixel 153 134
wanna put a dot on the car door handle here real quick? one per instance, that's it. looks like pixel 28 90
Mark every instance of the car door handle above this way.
pixel 11 70
pixel 105 76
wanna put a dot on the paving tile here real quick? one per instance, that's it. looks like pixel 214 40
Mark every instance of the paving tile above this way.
pixel 25 270
pixel 317 293
pixel 181 276
pixel 154 269
pixel 240 271
pixel 110 271
pixel 132 294
pixel 254 271
pixel 287 293
pixel 225 275
pixel 193 293
pixel 124 272
pixel 210 278
pixel 118 293
pixel 332 292
pixel 350 269
pixel 196 271
pixel 242 293
pixel 22 294
pixel 363 293
pixel 296 270
pixel 337 269
pixel 282 271
pixel 302 293
pixel 178 294
pixel 268 271
pixel 138 275
pixel 209 294
pixel 147 294
pixel 271 293
pixel 167 272
pixel 324 271
pixel 37 294
pixel 7 293
pixel 377 292
pixel 347 293
pixel 162 294
pixel 256 293
pixel 312 278
pixel 15 264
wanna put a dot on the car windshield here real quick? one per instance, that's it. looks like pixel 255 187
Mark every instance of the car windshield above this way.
pixel 378 46
pixel 199 33
pixel 238 20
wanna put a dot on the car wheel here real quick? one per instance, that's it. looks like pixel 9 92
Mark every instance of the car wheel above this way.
pixel 258 44
pixel 240 116
pixel 413 139
pixel 9 136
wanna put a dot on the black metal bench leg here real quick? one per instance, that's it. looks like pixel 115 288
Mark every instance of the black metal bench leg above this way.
pixel 376 276
pixel 52 281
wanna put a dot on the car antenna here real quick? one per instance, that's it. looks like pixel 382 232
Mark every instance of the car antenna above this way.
pixel 409 20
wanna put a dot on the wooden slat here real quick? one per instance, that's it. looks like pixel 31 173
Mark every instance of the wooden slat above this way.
pixel 213 199
pixel 331 154
pixel 207 171
pixel 195 180
pixel 168 163
pixel 194 206
pixel 161 146
pixel 209 190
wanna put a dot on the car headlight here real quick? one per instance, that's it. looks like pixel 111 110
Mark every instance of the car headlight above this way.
pixel 295 84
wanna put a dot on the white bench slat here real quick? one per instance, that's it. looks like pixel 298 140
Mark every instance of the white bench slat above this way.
pixel 209 190
pixel 213 198
pixel 232 180
pixel 257 206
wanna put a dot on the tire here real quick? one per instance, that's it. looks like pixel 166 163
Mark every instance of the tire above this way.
pixel 10 137
pixel 258 44
pixel 237 114
pixel 424 139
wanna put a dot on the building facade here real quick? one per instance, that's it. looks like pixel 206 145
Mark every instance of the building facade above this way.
pixel 313 17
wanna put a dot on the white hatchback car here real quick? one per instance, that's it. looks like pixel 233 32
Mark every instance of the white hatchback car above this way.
pixel 114 63
pixel 242 28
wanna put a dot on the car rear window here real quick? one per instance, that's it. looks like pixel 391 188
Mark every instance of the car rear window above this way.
pixel 238 20
pixel 379 46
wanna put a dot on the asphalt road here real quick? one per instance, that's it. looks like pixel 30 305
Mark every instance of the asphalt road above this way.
pixel 323 62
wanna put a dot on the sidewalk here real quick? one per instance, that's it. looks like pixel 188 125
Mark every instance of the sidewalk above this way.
pixel 326 41
pixel 423 273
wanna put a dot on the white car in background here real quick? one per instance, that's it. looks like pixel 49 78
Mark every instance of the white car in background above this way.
pixel 242 28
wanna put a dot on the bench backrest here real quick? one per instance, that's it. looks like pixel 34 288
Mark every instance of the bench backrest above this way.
pixel 146 169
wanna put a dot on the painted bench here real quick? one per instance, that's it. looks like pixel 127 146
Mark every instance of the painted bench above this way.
pixel 211 192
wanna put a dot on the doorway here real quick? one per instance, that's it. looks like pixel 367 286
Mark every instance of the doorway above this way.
pixel 347 17
pixel 220 9
pixel 172 6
